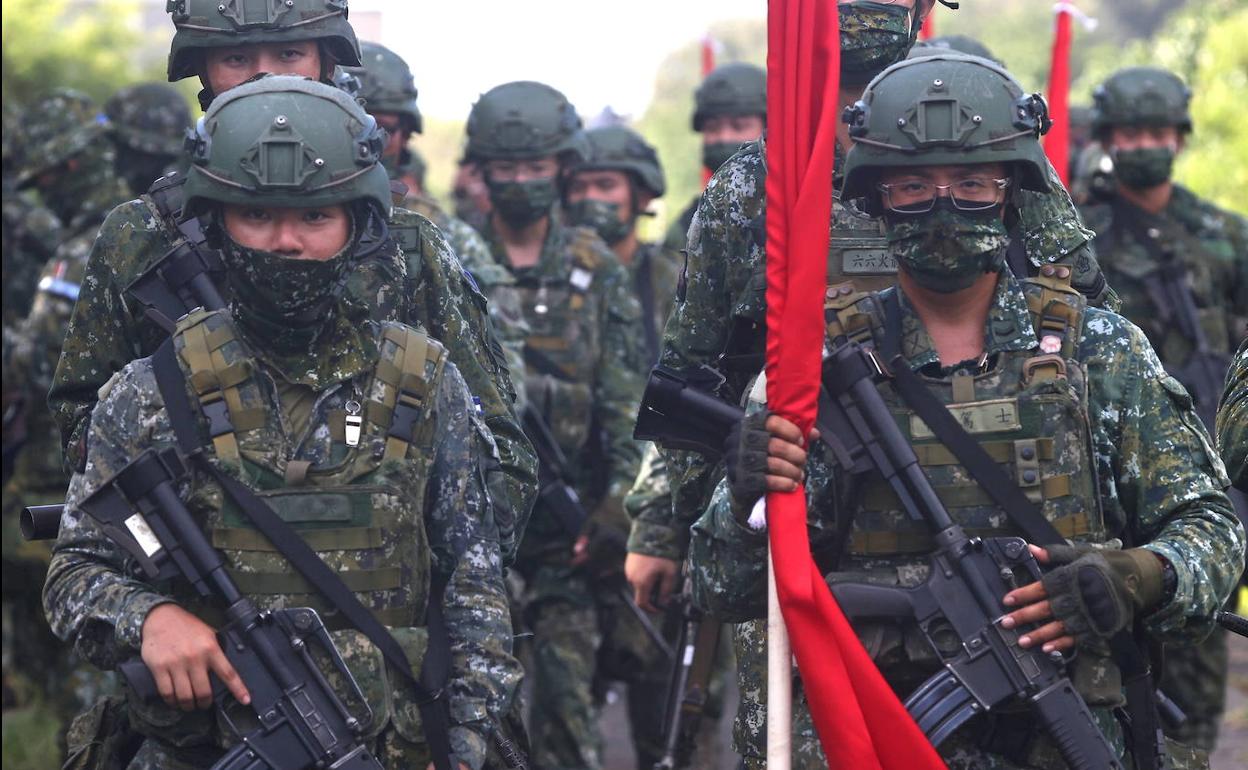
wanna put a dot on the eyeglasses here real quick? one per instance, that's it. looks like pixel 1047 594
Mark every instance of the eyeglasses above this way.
pixel 972 193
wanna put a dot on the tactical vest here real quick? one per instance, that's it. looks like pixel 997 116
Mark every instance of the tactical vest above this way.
pixel 565 314
pixel 361 510
pixel 1027 410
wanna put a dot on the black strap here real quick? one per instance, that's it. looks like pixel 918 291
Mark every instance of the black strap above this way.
pixel 1016 254
pixel 428 686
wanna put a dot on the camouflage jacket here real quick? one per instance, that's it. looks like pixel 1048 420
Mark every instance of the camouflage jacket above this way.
pixel 421 284
pixel 1155 476
pixel 1212 247
pixel 93 597
pixel 720 315
pixel 583 365
pixel 1233 419
pixel 655 271
pixel 30 236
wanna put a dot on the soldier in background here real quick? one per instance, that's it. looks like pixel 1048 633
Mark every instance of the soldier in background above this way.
pixel 148 124
pixel 1180 265
pixel 730 109
pixel 582 379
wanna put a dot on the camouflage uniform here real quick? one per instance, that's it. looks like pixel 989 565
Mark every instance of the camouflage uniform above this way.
pixel 1233 419
pixel 31 234
pixel 1145 442
pixel 63 129
pixel 591 331
pixel 148 124
pixel 1211 245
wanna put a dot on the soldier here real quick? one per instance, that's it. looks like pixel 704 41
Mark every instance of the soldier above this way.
pixel 295 356
pixel 148 124
pixel 1130 477
pixel 1180 265
pixel 730 109
pixel 67 159
pixel 413 276
pixel 609 192
pixel 582 380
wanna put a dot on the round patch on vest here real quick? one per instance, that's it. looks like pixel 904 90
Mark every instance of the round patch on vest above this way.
pixel 1050 343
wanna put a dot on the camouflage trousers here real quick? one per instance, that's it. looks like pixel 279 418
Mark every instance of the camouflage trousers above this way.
pixel 562 613
pixel 1195 678
pixel 961 751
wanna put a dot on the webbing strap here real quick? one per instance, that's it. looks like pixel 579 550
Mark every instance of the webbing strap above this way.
pixel 645 292
pixel 430 695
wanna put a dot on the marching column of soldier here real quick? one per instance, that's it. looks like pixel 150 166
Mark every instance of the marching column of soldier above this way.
pixel 264 370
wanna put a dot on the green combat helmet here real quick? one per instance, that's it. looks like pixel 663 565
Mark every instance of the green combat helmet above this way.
pixel 945 109
pixel 278 141
pixel 386 84
pixel 731 89
pixel 218 23
pixel 150 118
pixel 953 44
pixel 619 148
pixel 524 119
pixel 53 130
pixel 1141 96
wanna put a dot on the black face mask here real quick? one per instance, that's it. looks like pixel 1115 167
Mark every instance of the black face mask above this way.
pixel 520 204
pixel 716 154
pixel 1144 168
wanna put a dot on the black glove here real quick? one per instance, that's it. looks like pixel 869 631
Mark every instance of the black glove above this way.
pixel 1098 592
pixel 745 454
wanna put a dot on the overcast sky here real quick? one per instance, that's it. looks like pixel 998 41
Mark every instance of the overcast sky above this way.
pixel 598 53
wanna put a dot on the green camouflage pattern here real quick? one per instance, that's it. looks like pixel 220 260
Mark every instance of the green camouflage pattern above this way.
pixel 1157 479
pixel 1232 428
pixel 1212 245
pixel 874 36
pixel 677 232
pixel 655 267
pixel 583 364
pixel 93 600
pixel 30 236
pixel 415 280
pixel 724 304
pixel 947 250
pixel 54 129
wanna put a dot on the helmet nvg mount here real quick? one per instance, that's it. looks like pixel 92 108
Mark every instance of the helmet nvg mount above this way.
pixel 286 141
pixel 387 85
pixel 1141 96
pixel 219 23
pixel 521 120
pixel 945 109
pixel 731 89
pixel 619 148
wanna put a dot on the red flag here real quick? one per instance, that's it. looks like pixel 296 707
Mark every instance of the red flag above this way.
pixel 928 30
pixel 860 722
pixel 708 65
pixel 1057 141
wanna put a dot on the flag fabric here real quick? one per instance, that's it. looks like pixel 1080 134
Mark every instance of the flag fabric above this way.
pixel 859 719
pixel 1057 141
pixel 708 65
pixel 928 30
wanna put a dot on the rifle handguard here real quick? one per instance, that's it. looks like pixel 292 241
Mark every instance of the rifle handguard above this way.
pixel 675 414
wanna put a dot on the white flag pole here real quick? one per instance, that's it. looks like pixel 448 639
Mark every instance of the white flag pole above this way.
pixel 779 676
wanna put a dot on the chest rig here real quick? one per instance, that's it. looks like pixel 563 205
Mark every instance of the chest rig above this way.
pixel 565 313
pixel 1026 409
pixel 359 507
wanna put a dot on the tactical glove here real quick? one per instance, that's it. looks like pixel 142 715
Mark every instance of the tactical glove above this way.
pixel 1098 592
pixel 745 454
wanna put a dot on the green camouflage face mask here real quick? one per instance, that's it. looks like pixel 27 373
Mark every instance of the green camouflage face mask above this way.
pixel 283 301
pixel 717 154
pixel 603 217
pixel 945 250
pixel 873 36
pixel 1144 168
pixel 520 204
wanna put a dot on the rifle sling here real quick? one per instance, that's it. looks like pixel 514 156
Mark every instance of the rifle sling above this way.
pixel 436 668
pixel 1027 516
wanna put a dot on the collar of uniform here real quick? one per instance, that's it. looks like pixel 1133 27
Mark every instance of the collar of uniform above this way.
pixel 343 348
pixel 1008 326
pixel 551 262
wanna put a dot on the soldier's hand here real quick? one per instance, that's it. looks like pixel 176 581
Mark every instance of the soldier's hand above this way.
pixel 645 574
pixel 181 650
pixel 1034 601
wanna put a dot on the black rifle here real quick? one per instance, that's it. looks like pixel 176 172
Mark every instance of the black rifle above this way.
pixel 682 412
pixel 555 491
pixel 696 644
pixel 303 722
pixel 181 280
pixel 41 522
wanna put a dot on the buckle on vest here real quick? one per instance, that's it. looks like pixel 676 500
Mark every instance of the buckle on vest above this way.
pixel 215 409
pixel 407 411
pixel 1044 368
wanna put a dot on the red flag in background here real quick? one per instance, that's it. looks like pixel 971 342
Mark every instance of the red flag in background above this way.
pixel 928 30
pixel 860 722
pixel 1057 141
pixel 708 65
